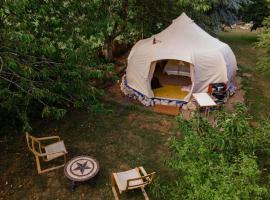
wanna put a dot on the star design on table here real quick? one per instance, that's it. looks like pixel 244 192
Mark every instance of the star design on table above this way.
pixel 81 167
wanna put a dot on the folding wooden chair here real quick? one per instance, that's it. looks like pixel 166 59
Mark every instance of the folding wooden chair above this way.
pixel 48 152
pixel 131 179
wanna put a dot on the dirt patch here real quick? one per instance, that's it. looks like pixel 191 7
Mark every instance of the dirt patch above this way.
pixel 158 123
pixel 247 75
pixel 238 97
pixel 114 93
pixel 132 117
pixel 163 126
pixel 169 110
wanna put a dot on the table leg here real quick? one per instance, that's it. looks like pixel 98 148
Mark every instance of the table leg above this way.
pixel 93 181
pixel 207 113
pixel 72 186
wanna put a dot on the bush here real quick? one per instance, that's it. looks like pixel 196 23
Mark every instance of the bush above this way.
pixel 264 42
pixel 217 161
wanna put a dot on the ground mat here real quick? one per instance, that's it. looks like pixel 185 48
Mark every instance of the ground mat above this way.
pixel 170 92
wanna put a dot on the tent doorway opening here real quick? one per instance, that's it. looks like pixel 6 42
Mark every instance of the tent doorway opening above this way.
pixel 171 79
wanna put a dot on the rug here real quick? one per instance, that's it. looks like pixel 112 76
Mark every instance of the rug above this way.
pixel 170 92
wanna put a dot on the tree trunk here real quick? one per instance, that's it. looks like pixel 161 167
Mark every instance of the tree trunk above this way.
pixel 108 49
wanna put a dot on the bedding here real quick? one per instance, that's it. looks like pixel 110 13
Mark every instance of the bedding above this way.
pixel 174 67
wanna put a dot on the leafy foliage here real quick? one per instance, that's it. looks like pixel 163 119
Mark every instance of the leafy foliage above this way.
pixel 210 14
pixel 217 161
pixel 256 11
pixel 48 57
pixel 264 42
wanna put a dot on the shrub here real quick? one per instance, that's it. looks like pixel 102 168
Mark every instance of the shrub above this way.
pixel 216 161
pixel 264 42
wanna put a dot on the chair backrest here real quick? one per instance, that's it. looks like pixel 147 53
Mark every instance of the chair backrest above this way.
pixel 31 142
pixel 145 181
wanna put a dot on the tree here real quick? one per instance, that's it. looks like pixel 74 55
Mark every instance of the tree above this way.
pixel 127 20
pixel 210 14
pixel 256 11
pixel 48 59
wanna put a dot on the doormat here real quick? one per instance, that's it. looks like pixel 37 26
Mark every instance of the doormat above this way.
pixel 169 110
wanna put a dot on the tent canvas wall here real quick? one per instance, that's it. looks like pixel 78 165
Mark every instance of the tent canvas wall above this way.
pixel 210 60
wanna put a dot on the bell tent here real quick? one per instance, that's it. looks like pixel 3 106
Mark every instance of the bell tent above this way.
pixel 171 65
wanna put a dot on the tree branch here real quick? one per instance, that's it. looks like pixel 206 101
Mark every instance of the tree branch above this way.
pixel 1 64
pixel 14 83
pixel 27 92
pixel 42 59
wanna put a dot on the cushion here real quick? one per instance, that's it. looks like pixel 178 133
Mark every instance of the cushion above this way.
pixel 122 177
pixel 57 148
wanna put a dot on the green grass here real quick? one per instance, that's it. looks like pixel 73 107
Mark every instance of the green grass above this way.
pixel 234 38
pixel 122 139
pixel 255 84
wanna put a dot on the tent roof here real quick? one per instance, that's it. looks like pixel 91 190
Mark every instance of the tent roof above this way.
pixel 178 41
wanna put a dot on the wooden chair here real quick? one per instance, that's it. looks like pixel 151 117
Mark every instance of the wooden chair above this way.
pixel 48 152
pixel 131 179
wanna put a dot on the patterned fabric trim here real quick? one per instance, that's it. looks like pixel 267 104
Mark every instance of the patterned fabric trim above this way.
pixel 132 93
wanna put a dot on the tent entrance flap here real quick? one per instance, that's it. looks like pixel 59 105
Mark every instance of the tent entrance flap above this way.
pixel 171 79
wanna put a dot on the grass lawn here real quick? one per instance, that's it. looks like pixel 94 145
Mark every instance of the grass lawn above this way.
pixel 255 84
pixel 126 137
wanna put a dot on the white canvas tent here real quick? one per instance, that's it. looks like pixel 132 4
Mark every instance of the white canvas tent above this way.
pixel 210 60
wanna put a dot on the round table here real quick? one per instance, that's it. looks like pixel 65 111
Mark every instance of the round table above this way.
pixel 80 169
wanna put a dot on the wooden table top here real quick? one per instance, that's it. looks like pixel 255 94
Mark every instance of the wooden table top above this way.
pixel 81 168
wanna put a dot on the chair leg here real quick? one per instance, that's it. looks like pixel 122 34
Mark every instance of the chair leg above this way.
pixel 115 193
pixel 144 193
pixel 114 189
pixel 38 165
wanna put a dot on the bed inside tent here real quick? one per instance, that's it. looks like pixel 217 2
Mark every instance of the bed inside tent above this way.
pixel 171 79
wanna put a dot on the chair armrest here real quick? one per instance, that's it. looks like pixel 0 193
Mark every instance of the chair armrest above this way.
pixel 48 138
pixel 137 185
pixel 143 171
pixel 148 177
